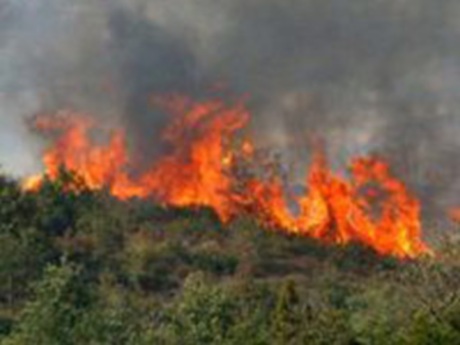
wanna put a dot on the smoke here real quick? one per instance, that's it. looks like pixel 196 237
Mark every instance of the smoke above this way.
pixel 366 76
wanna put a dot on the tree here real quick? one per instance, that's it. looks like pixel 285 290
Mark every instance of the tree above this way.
pixel 50 318
pixel 203 315
pixel 286 317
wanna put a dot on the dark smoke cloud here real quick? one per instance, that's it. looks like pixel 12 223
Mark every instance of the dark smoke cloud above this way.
pixel 367 76
pixel 150 61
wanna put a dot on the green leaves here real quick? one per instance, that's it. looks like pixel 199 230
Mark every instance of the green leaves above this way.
pixel 81 267
pixel 59 302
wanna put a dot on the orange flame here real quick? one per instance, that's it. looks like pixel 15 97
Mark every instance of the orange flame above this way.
pixel 454 214
pixel 98 165
pixel 200 169
pixel 195 172
pixel 334 210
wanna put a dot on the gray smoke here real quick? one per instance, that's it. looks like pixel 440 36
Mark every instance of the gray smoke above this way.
pixel 367 76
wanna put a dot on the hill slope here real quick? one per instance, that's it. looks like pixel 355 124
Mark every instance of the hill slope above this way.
pixel 84 268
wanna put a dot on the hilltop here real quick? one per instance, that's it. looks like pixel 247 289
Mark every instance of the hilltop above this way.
pixel 80 266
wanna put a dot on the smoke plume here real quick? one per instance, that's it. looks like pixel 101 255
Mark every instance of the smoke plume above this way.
pixel 365 76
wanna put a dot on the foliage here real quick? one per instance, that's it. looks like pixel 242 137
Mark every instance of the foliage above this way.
pixel 80 267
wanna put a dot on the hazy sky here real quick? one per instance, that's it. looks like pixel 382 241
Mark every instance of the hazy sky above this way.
pixel 366 75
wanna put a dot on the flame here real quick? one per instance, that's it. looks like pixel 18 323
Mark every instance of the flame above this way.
pixel 97 165
pixel 195 171
pixel 203 168
pixel 333 209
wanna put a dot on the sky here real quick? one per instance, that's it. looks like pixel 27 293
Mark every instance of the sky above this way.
pixel 364 75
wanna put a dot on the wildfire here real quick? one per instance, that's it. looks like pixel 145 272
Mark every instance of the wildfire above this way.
pixel 202 168
pixel 98 165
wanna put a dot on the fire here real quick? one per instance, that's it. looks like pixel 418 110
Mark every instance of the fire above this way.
pixel 333 209
pixel 97 165
pixel 454 214
pixel 195 172
pixel 202 168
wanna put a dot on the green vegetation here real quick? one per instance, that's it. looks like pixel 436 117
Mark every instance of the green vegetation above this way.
pixel 84 268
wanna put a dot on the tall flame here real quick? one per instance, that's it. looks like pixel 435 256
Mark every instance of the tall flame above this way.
pixel 98 165
pixel 336 210
pixel 373 207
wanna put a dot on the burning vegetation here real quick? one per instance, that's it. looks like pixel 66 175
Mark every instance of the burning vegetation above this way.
pixel 167 210
pixel 211 161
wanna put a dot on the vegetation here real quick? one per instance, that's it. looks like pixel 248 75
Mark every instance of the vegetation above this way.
pixel 79 267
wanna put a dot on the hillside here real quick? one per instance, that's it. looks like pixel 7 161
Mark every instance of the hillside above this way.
pixel 81 267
